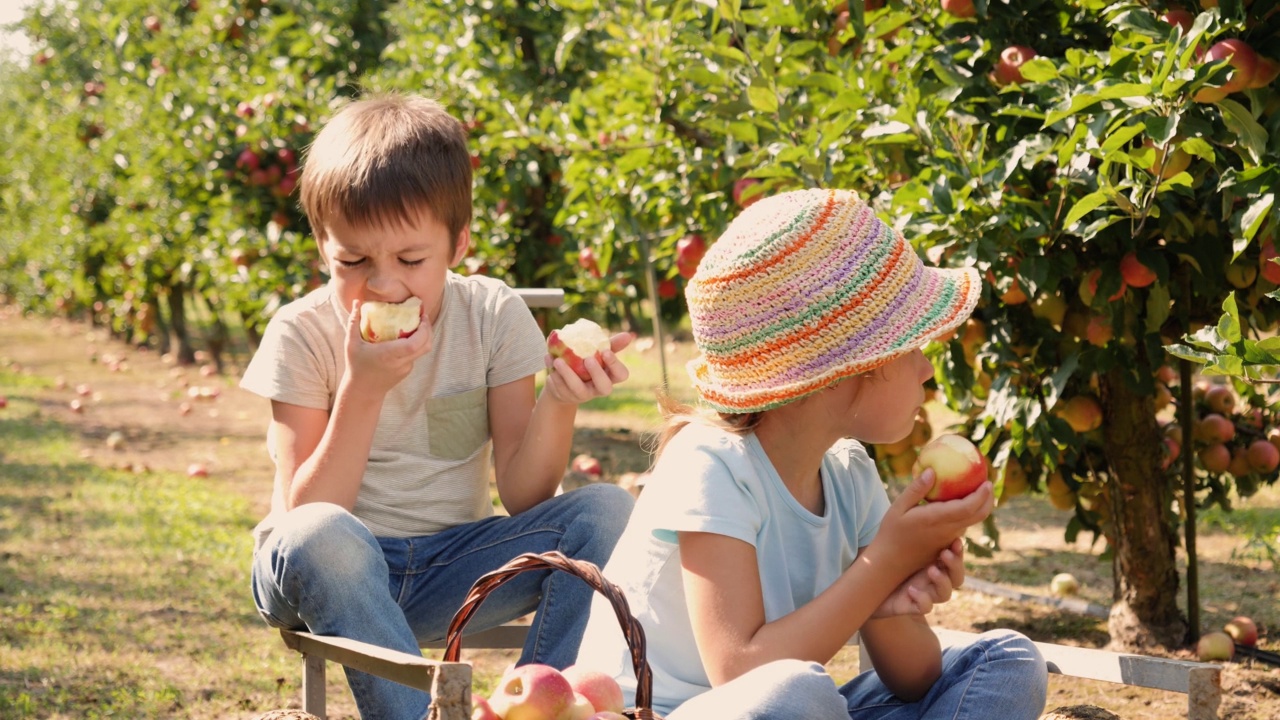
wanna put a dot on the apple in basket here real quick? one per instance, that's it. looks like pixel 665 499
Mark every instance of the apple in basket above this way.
pixel 380 322
pixel 608 715
pixel 575 342
pixel 600 689
pixel 481 710
pixel 532 692
pixel 957 464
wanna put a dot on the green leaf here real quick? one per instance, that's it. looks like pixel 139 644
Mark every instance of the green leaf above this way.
pixel 1084 206
pixel 1039 70
pixel 1121 137
pixel 763 99
pixel 1229 323
pixel 1252 136
pixel 1256 215
pixel 1159 305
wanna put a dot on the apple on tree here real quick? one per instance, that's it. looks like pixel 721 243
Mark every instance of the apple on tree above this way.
pixel 577 341
pixel 1009 68
pixel 380 322
pixel 532 692
pixel 957 465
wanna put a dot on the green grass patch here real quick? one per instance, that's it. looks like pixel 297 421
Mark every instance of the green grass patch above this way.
pixel 123 594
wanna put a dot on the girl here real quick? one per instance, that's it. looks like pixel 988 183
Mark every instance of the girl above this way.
pixel 764 538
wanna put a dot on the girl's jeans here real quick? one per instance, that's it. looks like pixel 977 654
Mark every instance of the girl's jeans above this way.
pixel 1000 676
pixel 321 569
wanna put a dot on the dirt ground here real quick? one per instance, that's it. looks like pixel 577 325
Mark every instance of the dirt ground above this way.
pixel 172 417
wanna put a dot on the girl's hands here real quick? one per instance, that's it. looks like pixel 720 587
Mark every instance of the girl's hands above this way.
pixel 375 368
pixel 912 535
pixel 564 385
pixel 930 586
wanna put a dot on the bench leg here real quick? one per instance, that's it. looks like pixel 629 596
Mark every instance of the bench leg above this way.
pixel 1204 694
pixel 313 685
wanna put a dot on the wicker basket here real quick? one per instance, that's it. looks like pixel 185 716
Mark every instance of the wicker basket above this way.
pixel 591 575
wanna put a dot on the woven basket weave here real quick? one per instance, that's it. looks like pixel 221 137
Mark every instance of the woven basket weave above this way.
pixel 589 574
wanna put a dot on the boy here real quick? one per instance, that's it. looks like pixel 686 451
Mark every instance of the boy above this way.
pixel 381 518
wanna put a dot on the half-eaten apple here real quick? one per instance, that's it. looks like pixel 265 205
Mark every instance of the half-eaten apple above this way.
pixel 380 322
pixel 577 341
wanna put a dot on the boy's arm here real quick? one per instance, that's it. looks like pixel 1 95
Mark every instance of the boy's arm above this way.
pixel 531 443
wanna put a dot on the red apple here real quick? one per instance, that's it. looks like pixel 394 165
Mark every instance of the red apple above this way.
pixel 151 23
pixel 667 289
pixel 958 466
pixel 1242 629
pixel 532 692
pixel 1220 399
pixel 1181 18
pixel 1243 61
pixel 1214 428
pixel 380 322
pixel 481 710
pixel 1263 456
pixel 245 110
pixel 960 8
pixel 4 402
pixel 1215 646
pixel 1267 266
pixel 1008 69
pixel 76 406
pixel 197 470
pixel 589 465
pixel 587 261
pixel 1064 584
pixel 1215 458
pixel 581 709
pixel 1081 412
pixel 577 341
pixel 689 252
pixel 599 688
pixel 745 192
pixel 1265 72
pixel 1135 274
pixel 607 715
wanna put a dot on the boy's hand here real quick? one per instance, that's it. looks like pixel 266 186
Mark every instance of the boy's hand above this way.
pixel 930 586
pixel 564 385
pixel 912 535
pixel 375 368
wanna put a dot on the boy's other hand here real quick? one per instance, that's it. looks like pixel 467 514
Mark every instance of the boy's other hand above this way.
pixel 564 385
pixel 375 368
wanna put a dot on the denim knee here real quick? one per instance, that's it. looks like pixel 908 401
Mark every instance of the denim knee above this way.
pixel 799 678
pixel 602 511
pixel 1032 674
pixel 324 546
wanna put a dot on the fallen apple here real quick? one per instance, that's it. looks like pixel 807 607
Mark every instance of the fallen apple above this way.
pixel 4 402
pixel 587 464
pixel 197 470
pixel 599 688
pixel 1064 585
pixel 532 692
pixel 958 467
pixel 1215 646
pixel 1242 630
pixel 380 322
pixel 577 341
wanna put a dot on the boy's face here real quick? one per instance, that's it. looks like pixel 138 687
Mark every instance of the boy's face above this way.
pixel 391 264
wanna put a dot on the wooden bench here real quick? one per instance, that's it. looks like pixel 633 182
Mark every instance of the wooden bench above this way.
pixel 1200 682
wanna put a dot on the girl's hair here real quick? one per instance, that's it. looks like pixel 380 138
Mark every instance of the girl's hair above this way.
pixel 676 415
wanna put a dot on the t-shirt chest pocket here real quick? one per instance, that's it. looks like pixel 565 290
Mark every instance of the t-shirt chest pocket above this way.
pixel 458 425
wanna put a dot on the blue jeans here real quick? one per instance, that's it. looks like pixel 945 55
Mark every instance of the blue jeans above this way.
pixel 321 569
pixel 1001 675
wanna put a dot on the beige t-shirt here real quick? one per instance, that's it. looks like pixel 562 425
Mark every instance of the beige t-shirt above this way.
pixel 428 468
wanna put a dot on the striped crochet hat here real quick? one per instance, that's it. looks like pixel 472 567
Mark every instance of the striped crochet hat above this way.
pixel 807 288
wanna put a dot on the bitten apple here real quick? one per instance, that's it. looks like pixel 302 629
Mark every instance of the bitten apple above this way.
pixel 532 692
pixel 956 462
pixel 577 341
pixel 380 322
pixel 600 688
pixel 1242 630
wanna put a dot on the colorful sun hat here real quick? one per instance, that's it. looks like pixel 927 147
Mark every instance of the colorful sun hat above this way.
pixel 809 287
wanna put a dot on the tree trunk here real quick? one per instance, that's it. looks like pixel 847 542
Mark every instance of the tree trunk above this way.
pixel 1145 612
pixel 178 324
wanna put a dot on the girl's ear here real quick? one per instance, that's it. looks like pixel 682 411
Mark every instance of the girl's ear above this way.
pixel 461 247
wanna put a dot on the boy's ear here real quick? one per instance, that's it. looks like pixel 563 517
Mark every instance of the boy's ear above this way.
pixel 461 248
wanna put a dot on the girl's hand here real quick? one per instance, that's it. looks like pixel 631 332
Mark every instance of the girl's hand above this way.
pixel 375 368
pixel 932 585
pixel 564 385
pixel 912 534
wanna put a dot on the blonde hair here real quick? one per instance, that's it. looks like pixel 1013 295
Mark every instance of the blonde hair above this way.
pixel 382 160
pixel 676 415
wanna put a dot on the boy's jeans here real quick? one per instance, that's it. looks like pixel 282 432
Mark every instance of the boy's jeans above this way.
pixel 321 569
pixel 1000 676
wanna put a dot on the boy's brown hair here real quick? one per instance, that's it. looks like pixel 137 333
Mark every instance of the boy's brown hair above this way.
pixel 382 160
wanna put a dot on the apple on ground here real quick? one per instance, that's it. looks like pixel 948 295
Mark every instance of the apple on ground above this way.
pixel 481 710
pixel 4 402
pixel 197 470
pixel 1215 646
pixel 380 322
pixel 1064 585
pixel 1242 630
pixel 577 341
pixel 585 463
pixel 599 688
pixel 957 465
pixel 532 692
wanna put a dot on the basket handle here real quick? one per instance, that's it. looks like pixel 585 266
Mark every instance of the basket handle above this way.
pixel 588 573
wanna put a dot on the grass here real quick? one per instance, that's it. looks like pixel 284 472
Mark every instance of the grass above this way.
pixel 121 594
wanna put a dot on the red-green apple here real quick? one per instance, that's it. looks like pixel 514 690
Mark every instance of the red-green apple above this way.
pixel 197 470
pixel 1242 630
pixel 577 341
pixel 587 464
pixel 1265 72
pixel 599 688
pixel 1263 456
pixel 1215 646
pixel 608 715
pixel 1009 68
pixel 958 466
pixel 1081 412
pixel 380 322
pixel 1064 584
pixel 532 692
pixel 1266 263
pixel 744 194
pixel 1181 18
pixel 4 402
pixel 689 252
pixel 1220 399
pixel 960 8
pixel 1243 61
pixel 1135 274
pixel 481 710
pixel 581 708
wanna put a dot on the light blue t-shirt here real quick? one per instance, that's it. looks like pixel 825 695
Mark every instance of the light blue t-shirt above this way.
pixel 711 480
